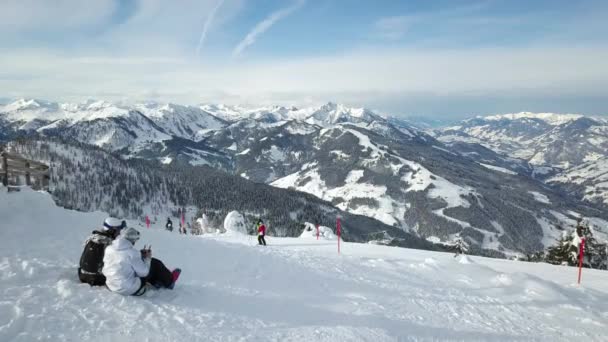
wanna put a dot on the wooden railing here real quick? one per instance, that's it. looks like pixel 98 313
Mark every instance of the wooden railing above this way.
pixel 15 168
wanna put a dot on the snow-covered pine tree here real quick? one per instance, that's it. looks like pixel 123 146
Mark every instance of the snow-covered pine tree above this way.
pixel 564 252
pixel 461 246
pixel 604 257
pixel 538 256
pixel 595 251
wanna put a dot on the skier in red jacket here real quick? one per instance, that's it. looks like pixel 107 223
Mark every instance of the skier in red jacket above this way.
pixel 261 232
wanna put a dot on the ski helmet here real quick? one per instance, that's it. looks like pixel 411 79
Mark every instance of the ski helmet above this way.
pixel 131 234
pixel 113 223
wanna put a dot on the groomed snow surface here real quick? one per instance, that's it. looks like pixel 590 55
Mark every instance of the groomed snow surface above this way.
pixel 295 289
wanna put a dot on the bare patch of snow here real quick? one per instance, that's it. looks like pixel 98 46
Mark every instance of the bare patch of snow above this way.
pixel 354 176
pixel 540 197
pixel 499 169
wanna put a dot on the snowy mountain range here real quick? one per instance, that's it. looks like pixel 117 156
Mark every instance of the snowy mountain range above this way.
pixel 478 180
pixel 565 150
pixel 542 139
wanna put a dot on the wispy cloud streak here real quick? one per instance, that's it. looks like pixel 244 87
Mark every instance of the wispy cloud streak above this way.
pixel 264 25
pixel 208 23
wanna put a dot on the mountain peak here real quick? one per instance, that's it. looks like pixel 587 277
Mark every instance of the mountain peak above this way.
pixel 330 106
pixel 100 104
pixel 333 113
pixel 28 104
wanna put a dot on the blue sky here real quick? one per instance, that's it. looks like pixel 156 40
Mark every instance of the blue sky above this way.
pixel 448 58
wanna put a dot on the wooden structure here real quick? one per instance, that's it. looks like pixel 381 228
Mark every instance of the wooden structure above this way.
pixel 14 168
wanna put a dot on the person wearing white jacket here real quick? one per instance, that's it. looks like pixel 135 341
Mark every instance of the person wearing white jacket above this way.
pixel 127 270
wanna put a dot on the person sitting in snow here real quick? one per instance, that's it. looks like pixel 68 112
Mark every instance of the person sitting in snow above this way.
pixel 127 270
pixel 261 232
pixel 169 225
pixel 91 259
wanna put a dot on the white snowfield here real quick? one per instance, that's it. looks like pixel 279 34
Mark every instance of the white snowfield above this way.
pixel 295 289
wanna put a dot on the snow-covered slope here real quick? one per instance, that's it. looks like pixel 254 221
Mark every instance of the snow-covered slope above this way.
pixel 30 114
pixel 292 290
pixel 29 109
pixel 225 112
pixel 332 113
pixel 181 121
pixel 166 132
pixel 550 118
pixel 153 130
pixel 589 180
pixel 416 184
pixel 325 115
pixel 362 195
pixel 113 128
pixel 565 150
pixel 87 178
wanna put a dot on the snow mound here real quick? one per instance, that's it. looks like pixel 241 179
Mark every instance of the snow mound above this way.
pixel 465 260
pixel 234 223
pixel 205 226
pixel 426 264
pixel 502 280
pixel 310 231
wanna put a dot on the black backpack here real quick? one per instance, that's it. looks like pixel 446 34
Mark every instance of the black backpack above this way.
pixel 91 260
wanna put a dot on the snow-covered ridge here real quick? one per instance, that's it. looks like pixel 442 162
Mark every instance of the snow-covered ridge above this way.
pixel 591 178
pixel 31 109
pixel 330 113
pixel 537 138
pixel 573 146
pixel 550 118
pixel 144 127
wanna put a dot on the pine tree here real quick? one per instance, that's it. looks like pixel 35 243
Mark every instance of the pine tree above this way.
pixel 564 252
pixel 595 252
pixel 461 246
pixel 538 256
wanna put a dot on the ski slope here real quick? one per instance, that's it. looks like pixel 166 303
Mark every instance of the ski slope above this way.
pixel 295 289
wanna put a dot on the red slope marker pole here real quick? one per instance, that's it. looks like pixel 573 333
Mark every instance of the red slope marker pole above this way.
pixel 580 260
pixel 338 229
pixel 317 231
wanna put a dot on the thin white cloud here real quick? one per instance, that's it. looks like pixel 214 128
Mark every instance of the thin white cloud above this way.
pixel 208 23
pixel 396 27
pixel 162 27
pixel 264 25
pixel 30 15
pixel 393 28
pixel 569 71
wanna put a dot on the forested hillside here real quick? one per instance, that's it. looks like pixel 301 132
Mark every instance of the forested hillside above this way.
pixel 84 177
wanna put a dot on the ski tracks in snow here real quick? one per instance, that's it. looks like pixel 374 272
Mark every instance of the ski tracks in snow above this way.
pixel 454 299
